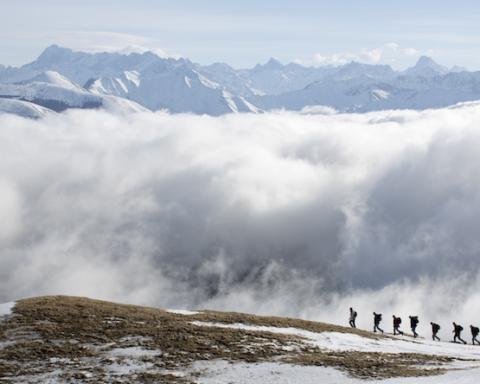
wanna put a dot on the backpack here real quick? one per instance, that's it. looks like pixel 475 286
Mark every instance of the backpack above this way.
pixel 354 314
pixel 475 330
pixel 399 320
pixel 459 328
pixel 415 320
pixel 437 327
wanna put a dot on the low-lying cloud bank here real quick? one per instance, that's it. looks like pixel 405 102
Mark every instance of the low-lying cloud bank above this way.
pixel 282 213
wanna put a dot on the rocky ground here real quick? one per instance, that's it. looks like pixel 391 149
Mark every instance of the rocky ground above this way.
pixel 60 339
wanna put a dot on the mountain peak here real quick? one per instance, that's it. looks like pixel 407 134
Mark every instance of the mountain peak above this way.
pixel 356 69
pixel 425 61
pixel 55 49
pixel 53 54
pixel 426 66
pixel 273 64
pixel 457 69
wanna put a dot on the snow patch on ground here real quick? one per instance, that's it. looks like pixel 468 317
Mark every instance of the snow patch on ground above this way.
pixel 220 372
pixel 182 312
pixel 347 342
pixel 6 309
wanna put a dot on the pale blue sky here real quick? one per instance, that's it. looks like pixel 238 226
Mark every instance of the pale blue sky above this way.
pixel 243 33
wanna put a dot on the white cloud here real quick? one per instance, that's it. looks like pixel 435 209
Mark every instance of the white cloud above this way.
pixel 99 41
pixel 280 213
pixel 10 211
pixel 410 51
pixel 386 54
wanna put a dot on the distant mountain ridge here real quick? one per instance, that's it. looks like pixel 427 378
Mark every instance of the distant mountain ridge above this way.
pixel 180 86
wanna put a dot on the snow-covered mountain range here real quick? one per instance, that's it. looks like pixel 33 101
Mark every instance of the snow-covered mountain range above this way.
pixel 61 78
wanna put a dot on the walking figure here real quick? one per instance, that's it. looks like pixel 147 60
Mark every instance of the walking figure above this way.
pixel 457 329
pixel 353 316
pixel 435 329
pixel 396 323
pixel 413 325
pixel 475 331
pixel 377 317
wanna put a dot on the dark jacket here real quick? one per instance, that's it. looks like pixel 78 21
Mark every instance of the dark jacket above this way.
pixel 397 321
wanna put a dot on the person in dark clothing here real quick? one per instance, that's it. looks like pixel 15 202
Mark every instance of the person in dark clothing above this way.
pixel 435 329
pixel 377 317
pixel 353 316
pixel 396 323
pixel 457 329
pixel 413 324
pixel 475 331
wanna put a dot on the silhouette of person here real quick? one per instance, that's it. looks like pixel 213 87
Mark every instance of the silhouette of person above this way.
pixel 413 325
pixel 435 329
pixel 377 318
pixel 475 331
pixel 353 316
pixel 457 329
pixel 396 324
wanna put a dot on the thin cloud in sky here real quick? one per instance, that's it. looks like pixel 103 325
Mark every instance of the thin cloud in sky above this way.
pixel 248 33
pixel 99 41
pixel 388 53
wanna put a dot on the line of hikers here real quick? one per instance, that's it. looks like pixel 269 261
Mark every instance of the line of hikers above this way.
pixel 377 318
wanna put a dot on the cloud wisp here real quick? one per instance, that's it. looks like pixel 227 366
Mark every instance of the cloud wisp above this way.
pixel 389 53
pixel 281 213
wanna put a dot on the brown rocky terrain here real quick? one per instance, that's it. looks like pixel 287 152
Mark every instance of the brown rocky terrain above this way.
pixel 76 339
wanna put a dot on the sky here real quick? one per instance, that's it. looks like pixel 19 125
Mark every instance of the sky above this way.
pixel 245 33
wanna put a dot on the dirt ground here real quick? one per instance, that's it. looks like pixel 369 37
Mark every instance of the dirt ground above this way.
pixel 79 337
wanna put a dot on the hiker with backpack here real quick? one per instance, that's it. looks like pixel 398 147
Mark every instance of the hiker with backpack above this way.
pixel 435 329
pixel 353 316
pixel 377 317
pixel 457 329
pixel 413 324
pixel 396 324
pixel 475 331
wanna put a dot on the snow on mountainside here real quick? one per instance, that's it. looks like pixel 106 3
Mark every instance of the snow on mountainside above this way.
pixel 60 95
pixel 183 90
pixel 24 108
pixel 273 78
pixel 147 79
pixel 54 78
pixel 363 92
pixel 354 70
pixel 61 339
pixel 81 67
pixel 181 86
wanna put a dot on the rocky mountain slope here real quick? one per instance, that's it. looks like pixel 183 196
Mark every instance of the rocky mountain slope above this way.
pixel 64 339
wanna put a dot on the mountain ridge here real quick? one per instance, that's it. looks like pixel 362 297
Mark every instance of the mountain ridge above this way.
pixel 180 86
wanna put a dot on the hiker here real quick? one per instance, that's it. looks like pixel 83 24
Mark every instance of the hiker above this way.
pixel 475 331
pixel 396 323
pixel 435 329
pixel 457 329
pixel 413 325
pixel 377 317
pixel 353 316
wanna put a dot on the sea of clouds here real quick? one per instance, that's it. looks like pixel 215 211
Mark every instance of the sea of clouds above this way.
pixel 281 213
